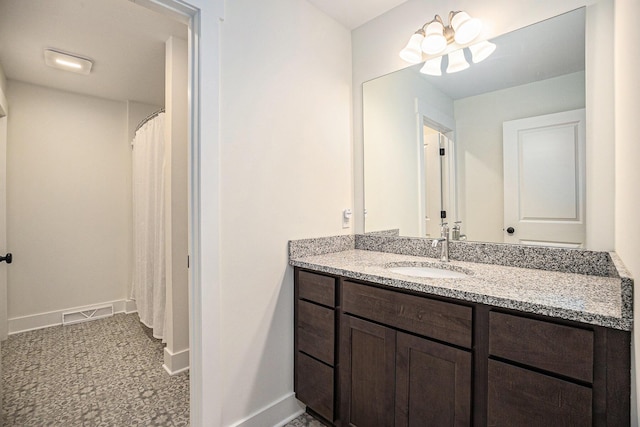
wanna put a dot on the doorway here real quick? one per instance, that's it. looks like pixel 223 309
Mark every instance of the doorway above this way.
pixel 186 14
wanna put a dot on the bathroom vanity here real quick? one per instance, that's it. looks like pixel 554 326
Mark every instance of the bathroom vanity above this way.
pixel 497 345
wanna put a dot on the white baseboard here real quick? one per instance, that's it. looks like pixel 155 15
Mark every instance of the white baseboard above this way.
pixel 130 306
pixel 53 318
pixel 175 363
pixel 277 414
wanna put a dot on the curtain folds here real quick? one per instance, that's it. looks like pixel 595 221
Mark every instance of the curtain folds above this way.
pixel 149 277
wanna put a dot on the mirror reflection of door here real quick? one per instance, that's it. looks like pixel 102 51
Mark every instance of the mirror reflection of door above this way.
pixel 432 183
pixel 439 179
pixel 544 180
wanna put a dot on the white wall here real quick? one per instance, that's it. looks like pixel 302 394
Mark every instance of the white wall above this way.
pixel 391 157
pixel 285 173
pixel 69 200
pixel 479 145
pixel 627 88
pixel 375 53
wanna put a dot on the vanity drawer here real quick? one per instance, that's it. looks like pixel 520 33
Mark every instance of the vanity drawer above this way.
pixel 555 348
pixel 316 326
pixel 430 318
pixel 519 397
pixel 314 385
pixel 317 288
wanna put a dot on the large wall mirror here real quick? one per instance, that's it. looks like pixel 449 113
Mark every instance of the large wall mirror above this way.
pixel 499 148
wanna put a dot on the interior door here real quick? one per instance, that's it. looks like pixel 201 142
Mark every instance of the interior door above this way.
pixel 544 179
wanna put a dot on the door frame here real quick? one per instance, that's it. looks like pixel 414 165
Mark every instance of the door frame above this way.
pixel 191 15
pixel 4 117
pixel 445 124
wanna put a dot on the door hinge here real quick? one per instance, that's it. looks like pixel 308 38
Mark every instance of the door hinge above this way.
pixel 443 214
pixel 442 151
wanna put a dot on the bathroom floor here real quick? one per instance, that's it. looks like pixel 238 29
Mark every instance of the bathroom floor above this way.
pixel 105 372
pixel 304 420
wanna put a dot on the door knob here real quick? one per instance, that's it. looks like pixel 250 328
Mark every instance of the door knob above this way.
pixel 8 258
pixel 511 230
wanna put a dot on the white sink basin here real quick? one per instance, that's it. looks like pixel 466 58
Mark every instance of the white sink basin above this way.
pixel 432 272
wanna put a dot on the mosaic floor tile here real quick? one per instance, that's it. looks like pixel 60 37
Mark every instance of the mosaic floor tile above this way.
pixel 105 372
pixel 304 420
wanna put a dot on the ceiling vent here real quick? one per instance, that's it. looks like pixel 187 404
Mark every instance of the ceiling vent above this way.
pixel 67 61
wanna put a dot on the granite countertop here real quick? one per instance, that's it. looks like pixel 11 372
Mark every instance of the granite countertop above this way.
pixel 598 300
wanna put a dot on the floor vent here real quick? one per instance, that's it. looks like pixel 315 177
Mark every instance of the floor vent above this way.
pixel 86 314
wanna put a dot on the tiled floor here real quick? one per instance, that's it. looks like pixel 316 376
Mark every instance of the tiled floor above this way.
pixel 100 373
pixel 304 420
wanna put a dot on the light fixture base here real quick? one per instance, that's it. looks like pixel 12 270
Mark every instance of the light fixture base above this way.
pixel 67 61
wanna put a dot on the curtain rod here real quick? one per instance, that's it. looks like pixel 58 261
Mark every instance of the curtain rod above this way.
pixel 149 117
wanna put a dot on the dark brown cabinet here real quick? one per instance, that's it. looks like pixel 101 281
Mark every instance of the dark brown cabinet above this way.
pixel 543 373
pixel 389 377
pixel 315 336
pixel 559 349
pixel 520 397
pixel 374 356
pixel 392 378
pixel 367 373
pixel 433 383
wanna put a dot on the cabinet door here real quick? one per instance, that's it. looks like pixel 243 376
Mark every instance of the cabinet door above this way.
pixel 519 397
pixel 367 373
pixel 314 385
pixel 433 383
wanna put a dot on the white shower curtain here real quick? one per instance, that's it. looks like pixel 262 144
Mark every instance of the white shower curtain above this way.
pixel 149 279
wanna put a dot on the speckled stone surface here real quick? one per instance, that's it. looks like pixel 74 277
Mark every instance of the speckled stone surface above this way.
pixel 539 257
pixel 393 232
pixel 319 246
pixel 594 299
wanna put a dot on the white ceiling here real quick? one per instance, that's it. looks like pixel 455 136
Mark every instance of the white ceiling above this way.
pixel 353 13
pixel 125 41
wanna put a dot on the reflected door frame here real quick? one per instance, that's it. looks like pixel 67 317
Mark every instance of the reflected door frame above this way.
pixel 443 123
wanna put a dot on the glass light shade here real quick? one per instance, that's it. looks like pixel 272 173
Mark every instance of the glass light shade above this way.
pixel 457 62
pixel 432 67
pixel 434 41
pixel 481 51
pixel 412 52
pixel 466 27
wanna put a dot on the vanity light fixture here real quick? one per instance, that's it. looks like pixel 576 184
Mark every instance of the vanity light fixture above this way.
pixel 434 37
pixel 481 51
pixel 66 61
pixel 457 62
pixel 432 66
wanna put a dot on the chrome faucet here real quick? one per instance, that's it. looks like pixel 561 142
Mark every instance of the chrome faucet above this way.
pixel 455 232
pixel 444 238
